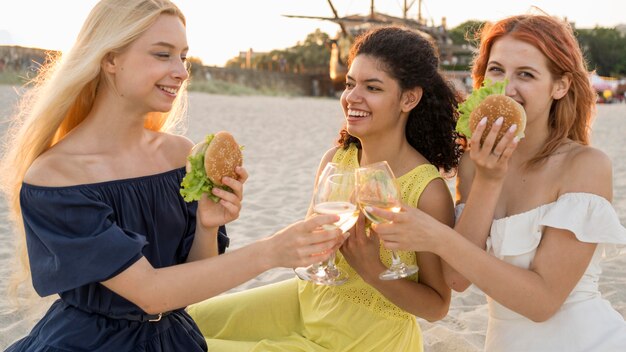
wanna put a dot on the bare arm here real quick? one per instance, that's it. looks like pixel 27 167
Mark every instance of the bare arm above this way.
pixel 560 261
pixel 164 289
pixel 430 297
pixel 536 293
pixel 479 183
pixel 211 215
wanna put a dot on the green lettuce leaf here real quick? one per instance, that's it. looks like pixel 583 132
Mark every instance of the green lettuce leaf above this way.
pixel 465 109
pixel 196 182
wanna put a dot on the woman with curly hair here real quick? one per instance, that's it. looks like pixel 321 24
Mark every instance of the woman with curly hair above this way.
pixel 397 108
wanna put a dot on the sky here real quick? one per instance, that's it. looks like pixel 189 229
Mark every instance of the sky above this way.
pixel 218 30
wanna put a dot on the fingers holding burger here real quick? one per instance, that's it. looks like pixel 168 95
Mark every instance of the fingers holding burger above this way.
pixel 490 102
pixel 208 163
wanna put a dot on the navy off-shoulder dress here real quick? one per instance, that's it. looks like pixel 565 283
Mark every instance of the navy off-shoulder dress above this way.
pixel 78 236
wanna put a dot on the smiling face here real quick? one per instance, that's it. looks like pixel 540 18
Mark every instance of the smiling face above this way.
pixel 371 100
pixel 151 70
pixel 530 81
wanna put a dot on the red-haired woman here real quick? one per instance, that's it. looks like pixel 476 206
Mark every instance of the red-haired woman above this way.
pixel 535 214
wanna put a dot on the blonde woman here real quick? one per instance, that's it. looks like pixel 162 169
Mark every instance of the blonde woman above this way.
pixel 93 179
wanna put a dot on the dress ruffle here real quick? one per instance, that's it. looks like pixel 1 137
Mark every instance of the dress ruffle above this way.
pixel 591 218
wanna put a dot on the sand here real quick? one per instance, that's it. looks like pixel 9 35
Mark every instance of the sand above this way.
pixel 284 139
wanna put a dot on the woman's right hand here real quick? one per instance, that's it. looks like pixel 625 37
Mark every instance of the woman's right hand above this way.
pixel 303 243
pixel 211 214
pixel 492 162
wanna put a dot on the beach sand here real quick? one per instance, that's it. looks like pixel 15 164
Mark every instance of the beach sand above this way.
pixel 284 139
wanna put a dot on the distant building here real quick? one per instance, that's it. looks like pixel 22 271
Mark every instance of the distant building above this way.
pixel 21 59
pixel 246 58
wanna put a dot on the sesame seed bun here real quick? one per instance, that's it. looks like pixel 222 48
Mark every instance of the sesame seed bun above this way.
pixel 221 157
pixel 494 106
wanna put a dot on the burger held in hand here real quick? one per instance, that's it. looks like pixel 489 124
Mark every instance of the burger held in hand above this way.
pixel 209 161
pixel 490 101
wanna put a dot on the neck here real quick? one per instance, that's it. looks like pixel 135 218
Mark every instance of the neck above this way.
pixel 535 139
pixel 112 123
pixel 396 151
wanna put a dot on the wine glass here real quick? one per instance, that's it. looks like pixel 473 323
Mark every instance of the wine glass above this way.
pixel 333 194
pixel 377 187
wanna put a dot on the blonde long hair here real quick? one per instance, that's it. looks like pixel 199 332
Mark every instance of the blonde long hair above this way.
pixel 62 95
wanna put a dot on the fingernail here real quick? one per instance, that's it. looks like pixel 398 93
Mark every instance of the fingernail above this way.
pixel 483 121
pixel 513 128
pixel 499 121
pixel 368 209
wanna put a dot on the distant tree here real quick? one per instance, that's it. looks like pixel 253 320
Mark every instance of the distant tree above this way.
pixel 605 50
pixel 465 33
pixel 310 55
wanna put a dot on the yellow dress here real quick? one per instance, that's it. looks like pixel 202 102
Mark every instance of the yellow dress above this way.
pixel 295 315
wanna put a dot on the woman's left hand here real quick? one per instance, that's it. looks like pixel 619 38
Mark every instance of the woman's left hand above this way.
pixel 211 214
pixel 362 252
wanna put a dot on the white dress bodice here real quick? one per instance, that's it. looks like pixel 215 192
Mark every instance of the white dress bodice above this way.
pixel 585 321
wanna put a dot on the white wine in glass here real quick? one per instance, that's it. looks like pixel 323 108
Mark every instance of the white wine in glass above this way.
pixel 376 187
pixel 334 194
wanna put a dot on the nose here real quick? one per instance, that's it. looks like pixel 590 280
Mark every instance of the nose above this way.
pixel 179 71
pixel 510 89
pixel 352 95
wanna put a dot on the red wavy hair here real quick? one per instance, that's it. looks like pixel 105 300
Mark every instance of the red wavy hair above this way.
pixel 570 116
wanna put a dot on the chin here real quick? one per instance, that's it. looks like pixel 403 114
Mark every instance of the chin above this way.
pixel 354 131
pixel 162 108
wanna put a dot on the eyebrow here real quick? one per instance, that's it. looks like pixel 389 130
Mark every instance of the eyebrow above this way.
pixel 367 80
pixel 168 45
pixel 530 68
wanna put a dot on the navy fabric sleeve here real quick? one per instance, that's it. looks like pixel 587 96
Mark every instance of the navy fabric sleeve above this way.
pixel 72 240
pixel 222 240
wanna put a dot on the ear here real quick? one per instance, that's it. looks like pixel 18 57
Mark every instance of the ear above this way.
pixel 109 63
pixel 410 98
pixel 561 86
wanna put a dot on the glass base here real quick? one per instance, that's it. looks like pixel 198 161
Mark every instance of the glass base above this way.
pixel 322 275
pixel 398 271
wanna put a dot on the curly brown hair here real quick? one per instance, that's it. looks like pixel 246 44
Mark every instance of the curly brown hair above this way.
pixel 410 59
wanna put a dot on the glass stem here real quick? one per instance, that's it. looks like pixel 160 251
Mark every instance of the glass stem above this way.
pixel 395 260
pixel 330 264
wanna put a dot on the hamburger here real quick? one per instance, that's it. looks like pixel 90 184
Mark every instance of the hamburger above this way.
pixel 490 101
pixel 209 161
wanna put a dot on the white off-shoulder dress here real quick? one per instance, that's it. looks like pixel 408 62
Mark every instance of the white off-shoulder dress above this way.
pixel 585 322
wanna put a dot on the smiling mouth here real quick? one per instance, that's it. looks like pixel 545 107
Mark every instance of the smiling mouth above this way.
pixel 168 90
pixel 357 114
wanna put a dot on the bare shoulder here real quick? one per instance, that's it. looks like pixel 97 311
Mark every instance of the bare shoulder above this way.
pixel 588 170
pixel 176 147
pixel 436 200
pixel 54 168
pixel 328 156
